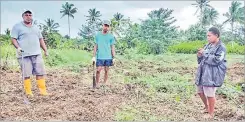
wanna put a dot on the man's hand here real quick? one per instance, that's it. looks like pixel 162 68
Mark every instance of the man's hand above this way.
pixel 46 53
pixel 200 52
pixel 93 60
pixel 113 61
pixel 19 50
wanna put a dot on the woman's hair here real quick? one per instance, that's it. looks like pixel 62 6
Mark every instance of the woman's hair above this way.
pixel 214 30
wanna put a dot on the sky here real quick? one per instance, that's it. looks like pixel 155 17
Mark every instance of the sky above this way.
pixel 183 11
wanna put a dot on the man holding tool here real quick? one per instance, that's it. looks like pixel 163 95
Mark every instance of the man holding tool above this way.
pixel 104 51
pixel 27 39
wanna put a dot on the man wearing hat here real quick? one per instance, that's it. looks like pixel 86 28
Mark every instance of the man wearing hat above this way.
pixel 104 51
pixel 27 39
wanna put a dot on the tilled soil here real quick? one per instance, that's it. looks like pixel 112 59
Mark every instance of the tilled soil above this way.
pixel 72 98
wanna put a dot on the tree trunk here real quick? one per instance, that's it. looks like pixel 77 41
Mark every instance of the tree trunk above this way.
pixel 232 29
pixel 69 26
pixel 232 24
pixel 201 17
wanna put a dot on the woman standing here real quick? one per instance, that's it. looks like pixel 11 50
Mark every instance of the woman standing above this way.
pixel 211 70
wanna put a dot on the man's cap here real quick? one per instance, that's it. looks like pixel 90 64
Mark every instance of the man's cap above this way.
pixel 26 11
pixel 106 22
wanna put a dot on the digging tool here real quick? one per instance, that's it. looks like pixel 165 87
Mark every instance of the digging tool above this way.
pixel 26 101
pixel 94 80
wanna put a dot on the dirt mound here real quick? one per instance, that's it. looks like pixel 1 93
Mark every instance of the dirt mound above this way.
pixel 236 73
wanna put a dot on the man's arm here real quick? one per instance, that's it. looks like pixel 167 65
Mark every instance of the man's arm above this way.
pixel 95 50
pixel 43 45
pixel 113 51
pixel 15 43
pixel 14 36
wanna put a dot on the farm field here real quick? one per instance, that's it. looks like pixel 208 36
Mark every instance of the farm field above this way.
pixel 141 88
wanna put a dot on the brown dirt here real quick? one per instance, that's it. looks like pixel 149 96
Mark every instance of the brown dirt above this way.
pixel 236 73
pixel 73 99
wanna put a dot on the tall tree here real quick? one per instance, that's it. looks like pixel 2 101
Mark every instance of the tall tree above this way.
pixel 86 32
pixel 235 14
pixel 196 32
pixel 118 17
pixel 114 27
pixel 159 25
pixel 40 26
pixel 7 32
pixel 93 20
pixel 158 30
pixel 210 16
pixel 68 10
pixel 201 5
pixel 94 15
pixel 50 26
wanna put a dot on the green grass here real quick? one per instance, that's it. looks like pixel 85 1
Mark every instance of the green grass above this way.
pixel 136 113
pixel 68 57
pixel 175 85
pixel 57 57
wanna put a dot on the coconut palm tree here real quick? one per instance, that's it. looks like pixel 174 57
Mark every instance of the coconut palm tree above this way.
pixel 7 32
pixel 235 14
pixel 210 16
pixel 201 5
pixel 118 17
pixel 94 20
pixel 93 16
pixel 50 26
pixel 68 10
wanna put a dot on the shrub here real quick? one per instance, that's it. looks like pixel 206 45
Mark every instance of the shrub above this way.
pixel 235 48
pixel 190 47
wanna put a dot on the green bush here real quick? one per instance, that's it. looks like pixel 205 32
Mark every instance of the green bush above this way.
pixel 121 46
pixel 7 49
pixel 235 48
pixel 190 47
pixel 143 48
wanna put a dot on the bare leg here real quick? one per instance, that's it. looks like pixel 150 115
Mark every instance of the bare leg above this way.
pixel 38 77
pixel 204 100
pixel 26 78
pixel 98 74
pixel 106 74
pixel 211 102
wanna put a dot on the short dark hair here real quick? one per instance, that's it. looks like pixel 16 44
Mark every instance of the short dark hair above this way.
pixel 29 12
pixel 214 30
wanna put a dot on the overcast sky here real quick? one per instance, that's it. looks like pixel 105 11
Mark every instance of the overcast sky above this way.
pixel 183 11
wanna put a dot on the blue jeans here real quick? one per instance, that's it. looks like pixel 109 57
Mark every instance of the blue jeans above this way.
pixel 104 62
